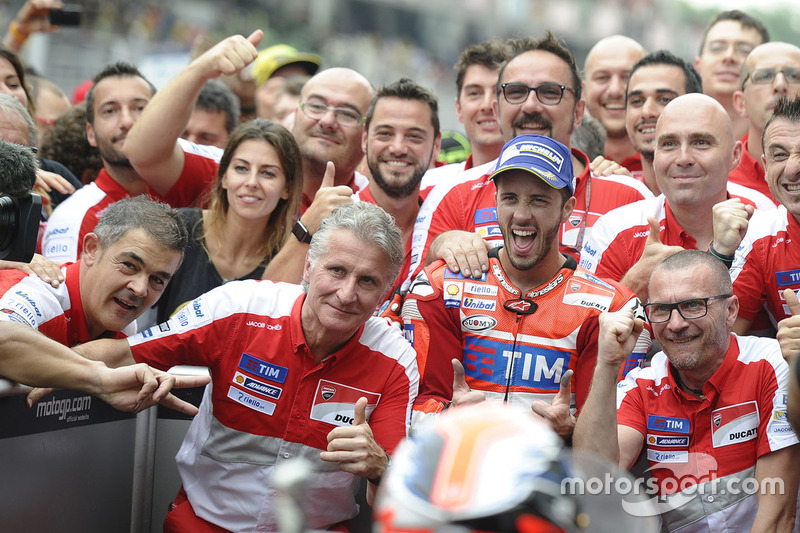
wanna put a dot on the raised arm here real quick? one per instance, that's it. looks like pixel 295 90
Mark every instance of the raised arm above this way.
pixel 597 429
pixel 152 143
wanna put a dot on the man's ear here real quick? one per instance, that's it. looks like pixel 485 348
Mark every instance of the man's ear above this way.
pixel 91 249
pixel 90 135
pixel 306 268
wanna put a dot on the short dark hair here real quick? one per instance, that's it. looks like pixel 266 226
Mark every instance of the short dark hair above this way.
pixel 407 89
pixel 747 21
pixel 215 96
pixel 120 69
pixel 693 83
pixel 548 43
pixel 490 54
pixel 785 109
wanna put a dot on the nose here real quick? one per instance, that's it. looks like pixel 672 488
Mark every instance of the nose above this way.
pixel 650 108
pixel 779 84
pixel 126 119
pixel 676 321
pixel 685 158
pixel 730 53
pixel 328 120
pixel 486 102
pixel 616 87
pixel 532 104
pixel 398 145
pixel 138 285
pixel 347 292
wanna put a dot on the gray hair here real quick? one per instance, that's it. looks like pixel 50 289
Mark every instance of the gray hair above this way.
pixel 9 104
pixel 160 221
pixel 368 223
pixel 687 259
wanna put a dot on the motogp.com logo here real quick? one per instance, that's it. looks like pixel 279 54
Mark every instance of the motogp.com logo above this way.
pixel 692 475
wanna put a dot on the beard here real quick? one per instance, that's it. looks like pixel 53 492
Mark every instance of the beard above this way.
pixel 396 189
pixel 111 155
pixel 545 240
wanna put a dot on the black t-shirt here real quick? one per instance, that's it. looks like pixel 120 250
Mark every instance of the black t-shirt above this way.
pixel 197 273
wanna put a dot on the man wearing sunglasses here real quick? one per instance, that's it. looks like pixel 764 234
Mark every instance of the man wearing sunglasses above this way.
pixel 771 71
pixel 710 410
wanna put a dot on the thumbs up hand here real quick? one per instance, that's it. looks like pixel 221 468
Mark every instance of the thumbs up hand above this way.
pixel 354 447
pixel 654 252
pixel 557 413
pixel 789 328
pixel 328 197
pixel 462 394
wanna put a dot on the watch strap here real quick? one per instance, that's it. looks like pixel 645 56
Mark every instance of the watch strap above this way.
pixel 301 232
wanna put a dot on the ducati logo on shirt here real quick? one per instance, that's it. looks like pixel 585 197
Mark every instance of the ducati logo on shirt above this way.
pixel 575 221
pixel 521 306
pixel 342 411
pixel 737 423
pixel 327 392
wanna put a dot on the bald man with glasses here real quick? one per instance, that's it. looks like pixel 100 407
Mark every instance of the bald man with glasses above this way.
pixel 709 412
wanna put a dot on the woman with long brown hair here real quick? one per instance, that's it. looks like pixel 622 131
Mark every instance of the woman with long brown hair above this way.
pixel 250 213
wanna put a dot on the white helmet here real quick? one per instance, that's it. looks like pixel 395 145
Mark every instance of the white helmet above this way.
pixel 489 467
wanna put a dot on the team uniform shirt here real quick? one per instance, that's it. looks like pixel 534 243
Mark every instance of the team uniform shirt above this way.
pixel 469 205
pixel 750 173
pixel 365 195
pixel 634 164
pixel 767 263
pixel 741 418
pixel 55 312
pixel 270 402
pixel 619 237
pixel 435 176
pixel 357 182
pixel 78 215
pixel 550 329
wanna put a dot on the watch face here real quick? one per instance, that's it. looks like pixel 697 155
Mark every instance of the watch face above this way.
pixel 301 233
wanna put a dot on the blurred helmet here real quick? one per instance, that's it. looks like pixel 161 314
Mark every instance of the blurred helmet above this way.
pixel 278 56
pixel 490 467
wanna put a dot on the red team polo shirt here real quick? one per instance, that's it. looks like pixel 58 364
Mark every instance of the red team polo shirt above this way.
pixel 270 402
pixel 56 312
pixel 691 441
pixel 767 263
pixel 469 204
pixel 750 173
pixel 618 239
pixel 78 214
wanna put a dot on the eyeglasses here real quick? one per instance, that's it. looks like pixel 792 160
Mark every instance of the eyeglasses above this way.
pixel 765 76
pixel 720 47
pixel 547 93
pixel 689 309
pixel 344 116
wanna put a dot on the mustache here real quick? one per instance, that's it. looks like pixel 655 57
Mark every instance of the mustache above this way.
pixel 533 117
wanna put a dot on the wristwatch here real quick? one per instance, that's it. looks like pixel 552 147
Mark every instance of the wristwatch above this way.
pixel 301 232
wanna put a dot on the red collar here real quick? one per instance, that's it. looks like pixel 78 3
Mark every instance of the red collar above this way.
pixel 77 330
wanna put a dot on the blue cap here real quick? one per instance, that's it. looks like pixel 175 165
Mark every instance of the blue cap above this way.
pixel 541 156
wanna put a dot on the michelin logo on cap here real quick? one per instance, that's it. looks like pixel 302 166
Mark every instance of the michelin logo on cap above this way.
pixel 542 156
